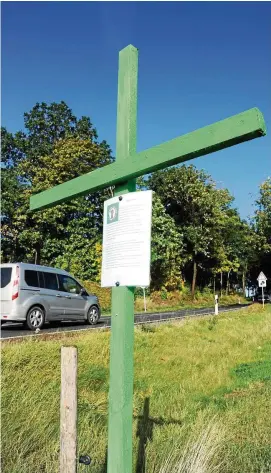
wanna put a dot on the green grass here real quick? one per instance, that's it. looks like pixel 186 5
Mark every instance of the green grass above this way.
pixel 202 397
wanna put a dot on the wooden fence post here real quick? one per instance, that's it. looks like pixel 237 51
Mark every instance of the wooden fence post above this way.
pixel 68 410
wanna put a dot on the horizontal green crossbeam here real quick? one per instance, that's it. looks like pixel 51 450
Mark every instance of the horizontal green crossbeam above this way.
pixel 223 134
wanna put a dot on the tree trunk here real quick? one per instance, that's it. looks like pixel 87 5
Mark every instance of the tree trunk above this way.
pixel 214 284
pixel 228 283
pixel 37 254
pixel 221 283
pixel 194 279
pixel 15 254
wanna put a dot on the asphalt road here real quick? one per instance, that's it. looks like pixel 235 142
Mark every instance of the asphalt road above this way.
pixel 15 330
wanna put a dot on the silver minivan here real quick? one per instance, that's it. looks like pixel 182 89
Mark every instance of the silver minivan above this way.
pixel 36 294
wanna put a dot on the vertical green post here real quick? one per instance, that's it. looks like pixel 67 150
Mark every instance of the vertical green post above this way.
pixel 122 308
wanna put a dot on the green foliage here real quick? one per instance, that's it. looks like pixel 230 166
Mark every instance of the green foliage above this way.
pixel 164 294
pixel 215 241
pixel 81 258
pixel 56 147
pixel 103 293
pixel 166 249
pixel 139 292
pixel 197 237
pixel 263 212
pixel 198 209
pixel 262 226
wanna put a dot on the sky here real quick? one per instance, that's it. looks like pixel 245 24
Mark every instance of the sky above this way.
pixel 199 62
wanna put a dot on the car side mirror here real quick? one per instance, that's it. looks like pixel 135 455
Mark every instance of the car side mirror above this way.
pixel 83 292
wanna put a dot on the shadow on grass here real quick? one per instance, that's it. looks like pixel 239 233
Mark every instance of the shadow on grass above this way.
pixel 104 466
pixel 145 426
pixel 144 432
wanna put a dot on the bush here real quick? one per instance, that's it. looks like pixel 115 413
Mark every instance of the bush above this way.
pixel 103 293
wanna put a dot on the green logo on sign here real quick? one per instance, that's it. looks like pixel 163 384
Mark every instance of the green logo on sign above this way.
pixel 113 213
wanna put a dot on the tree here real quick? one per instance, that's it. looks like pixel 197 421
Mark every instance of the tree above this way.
pixel 192 200
pixel 56 147
pixel 167 251
pixel 236 249
pixel 12 188
pixel 262 226
pixel 196 233
pixel 47 124
pixel 263 212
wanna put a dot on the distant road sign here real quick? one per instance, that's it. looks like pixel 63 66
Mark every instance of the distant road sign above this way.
pixel 261 277
pixel 262 283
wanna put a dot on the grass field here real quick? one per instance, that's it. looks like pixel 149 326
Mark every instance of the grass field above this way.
pixel 202 397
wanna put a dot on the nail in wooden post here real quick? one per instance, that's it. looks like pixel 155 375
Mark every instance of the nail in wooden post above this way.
pixel 68 410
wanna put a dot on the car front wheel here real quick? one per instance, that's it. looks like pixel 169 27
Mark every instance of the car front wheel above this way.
pixel 35 318
pixel 93 315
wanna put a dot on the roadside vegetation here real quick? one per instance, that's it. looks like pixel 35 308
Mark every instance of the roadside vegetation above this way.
pixel 199 240
pixel 202 397
pixel 160 301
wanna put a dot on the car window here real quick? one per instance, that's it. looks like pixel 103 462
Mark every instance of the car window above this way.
pixel 31 278
pixel 5 276
pixel 68 284
pixel 41 278
pixel 50 281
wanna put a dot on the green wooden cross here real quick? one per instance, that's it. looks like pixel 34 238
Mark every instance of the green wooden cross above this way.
pixel 122 173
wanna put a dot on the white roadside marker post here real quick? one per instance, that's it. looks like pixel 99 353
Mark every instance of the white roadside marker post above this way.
pixel 216 304
pixel 144 295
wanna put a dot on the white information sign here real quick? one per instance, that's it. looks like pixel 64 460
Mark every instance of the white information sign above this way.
pixel 127 240
pixel 262 279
